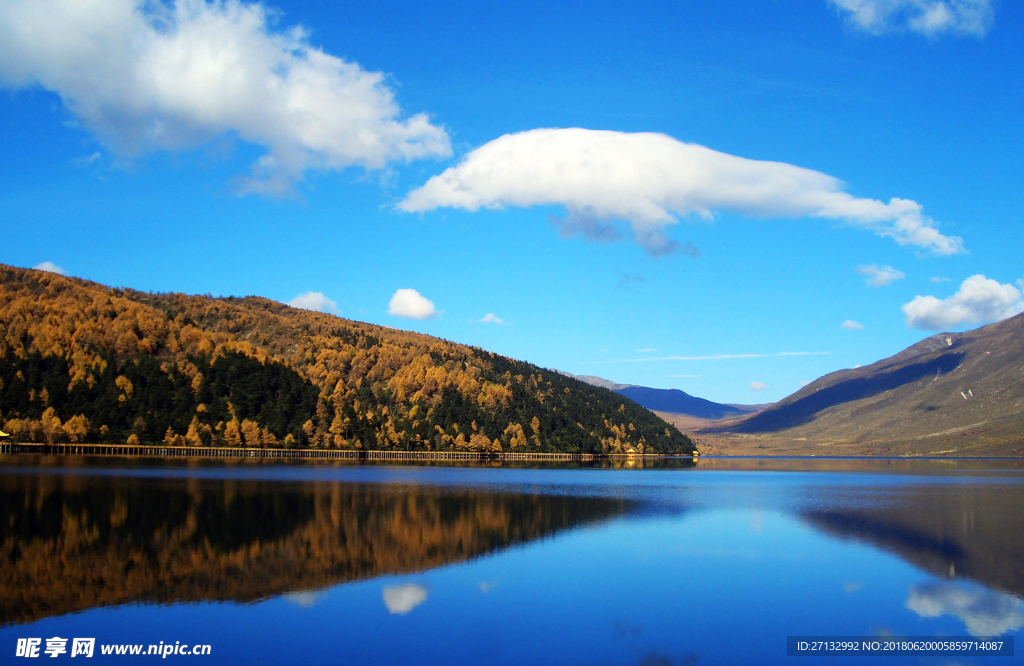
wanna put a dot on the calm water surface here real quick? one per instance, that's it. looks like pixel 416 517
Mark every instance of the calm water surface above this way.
pixel 680 563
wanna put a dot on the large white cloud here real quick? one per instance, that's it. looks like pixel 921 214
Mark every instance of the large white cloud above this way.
pixel 928 17
pixel 316 301
pixel 979 300
pixel 147 76
pixel 650 180
pixel 410 304
pixel 983 612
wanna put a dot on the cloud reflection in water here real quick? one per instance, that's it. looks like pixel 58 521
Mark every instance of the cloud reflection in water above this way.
pixel 400 599
pixel 983 612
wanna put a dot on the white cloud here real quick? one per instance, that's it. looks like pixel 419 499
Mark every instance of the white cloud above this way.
pixel 650 181
pixel 983 612
pixel 928 17
pixel 648 350
pixel 316 301
pixel 851 325
pixel 491 318
pixel 757 386
pixel 50 267
pixel 400 599
pixel 880 276
pixel 409 303
pixel 938 280
pixel 978 301
pixel 144 76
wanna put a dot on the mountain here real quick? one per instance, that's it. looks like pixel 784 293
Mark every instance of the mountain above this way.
pixel 952 393
pixel 671 401
pixel 675 401
pixel 80 361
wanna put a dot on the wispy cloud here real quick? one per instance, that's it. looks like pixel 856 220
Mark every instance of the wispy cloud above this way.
pixel 938 280
pixel 716 357
pixel 626 280
pixel 979 300
pixel 87 160
pixel 927 17
pixel 758 386
pixel 491 318
pixel 649 181
pixel 149 76
pixel 880 276
pixel 645 351
pixel 851 325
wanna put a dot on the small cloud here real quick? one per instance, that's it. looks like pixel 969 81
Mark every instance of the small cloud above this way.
pixel 690 250
pixel 979 300
pixel 50 267
pixel 626 281
pixel 852 586
pixel 400 599
pixel 937 280
pixel 410 304
pixel 491 318
pixel 487 586
pixel 315 301
pixel 641 351
pixel 757 386
pixel 851 325
pixel 983 612
pixel 803 384
pixel 880 276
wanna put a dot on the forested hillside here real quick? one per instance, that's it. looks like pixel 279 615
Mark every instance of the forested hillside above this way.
pixel 83 362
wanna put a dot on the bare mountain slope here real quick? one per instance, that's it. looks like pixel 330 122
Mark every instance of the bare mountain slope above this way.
pixel 952 393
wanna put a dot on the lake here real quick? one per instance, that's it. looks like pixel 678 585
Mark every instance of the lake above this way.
pixel 672 562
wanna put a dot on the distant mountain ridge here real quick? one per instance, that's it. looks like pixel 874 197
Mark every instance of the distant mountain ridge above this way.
pixel 672 401
pixel 959 393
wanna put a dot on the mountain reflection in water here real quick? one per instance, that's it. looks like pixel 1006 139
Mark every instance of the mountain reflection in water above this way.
pixel 971 531
pixel 73 542
pixel 75 538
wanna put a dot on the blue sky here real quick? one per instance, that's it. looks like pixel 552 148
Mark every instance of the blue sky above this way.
pixel 756 193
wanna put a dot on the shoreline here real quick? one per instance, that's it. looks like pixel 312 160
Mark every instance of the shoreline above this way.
pixel 163 451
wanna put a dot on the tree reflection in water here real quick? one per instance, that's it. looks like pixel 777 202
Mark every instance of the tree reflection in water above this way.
pixel 69 543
